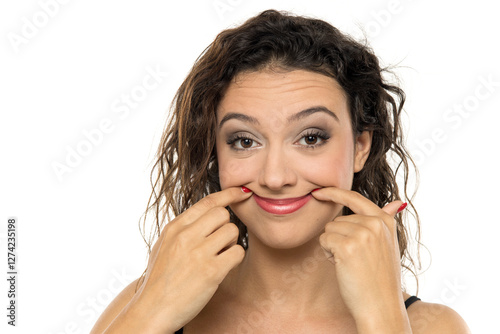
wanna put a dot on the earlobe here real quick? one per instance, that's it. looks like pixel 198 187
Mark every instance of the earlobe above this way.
pixel 363 146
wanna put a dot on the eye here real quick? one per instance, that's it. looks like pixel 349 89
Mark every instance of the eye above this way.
pixel 241 142
pixel 313 139
pixel 244 143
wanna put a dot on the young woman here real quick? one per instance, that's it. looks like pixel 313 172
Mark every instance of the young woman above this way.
pixel 278 208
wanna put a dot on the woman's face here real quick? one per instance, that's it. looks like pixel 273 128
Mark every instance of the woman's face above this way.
pixel 282 135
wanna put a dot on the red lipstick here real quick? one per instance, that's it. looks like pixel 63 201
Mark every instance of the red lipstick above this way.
pixel 281 206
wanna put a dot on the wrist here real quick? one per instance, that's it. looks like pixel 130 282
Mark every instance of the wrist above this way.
pixel 158 321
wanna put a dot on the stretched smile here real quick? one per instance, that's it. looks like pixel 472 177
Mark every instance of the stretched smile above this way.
pixel 281 206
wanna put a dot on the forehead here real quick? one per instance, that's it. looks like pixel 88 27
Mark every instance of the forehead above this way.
pixel 282 92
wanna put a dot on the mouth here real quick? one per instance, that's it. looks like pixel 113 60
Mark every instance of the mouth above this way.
pixel 282 206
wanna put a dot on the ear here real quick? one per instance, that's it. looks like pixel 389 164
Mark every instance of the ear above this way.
pixel 363 145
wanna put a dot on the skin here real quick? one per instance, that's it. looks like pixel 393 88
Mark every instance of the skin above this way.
pixel 279 164
pixel 311 271
pixel 273 159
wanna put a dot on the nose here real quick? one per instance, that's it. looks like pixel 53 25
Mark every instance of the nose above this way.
pixel 277 170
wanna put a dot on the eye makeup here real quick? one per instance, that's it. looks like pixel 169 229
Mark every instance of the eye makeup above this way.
pixel 310 139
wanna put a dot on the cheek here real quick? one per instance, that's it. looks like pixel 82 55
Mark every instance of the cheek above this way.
pixel 333 169
pixel 234 172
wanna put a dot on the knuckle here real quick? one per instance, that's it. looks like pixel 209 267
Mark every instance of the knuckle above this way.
pixel 364 235
pixel 355 197
pixel 228 233
pixel 330 226
pixel 376 225
pixel 359 196
pixel 175 226
pixel 183 238
pixel 350 246
pixel 208 202
pixel 323 239
pixel 232 229
pixel 220 212
pixel 238 252
pixel 171 228
pixel 233 255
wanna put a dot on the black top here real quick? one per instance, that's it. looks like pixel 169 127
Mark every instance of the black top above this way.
pixel 408 302
pixel 411 300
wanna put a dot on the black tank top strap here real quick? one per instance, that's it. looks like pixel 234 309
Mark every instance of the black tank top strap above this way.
pixel 411 300
pixel 180 331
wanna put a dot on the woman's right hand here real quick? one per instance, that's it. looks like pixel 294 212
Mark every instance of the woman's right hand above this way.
pixel 192 256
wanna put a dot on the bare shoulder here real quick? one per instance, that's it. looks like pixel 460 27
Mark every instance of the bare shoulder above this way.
pixel 432 318
pixel 116 306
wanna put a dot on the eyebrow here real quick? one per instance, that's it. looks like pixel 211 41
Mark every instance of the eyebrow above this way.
pixel 309 111
pixel 294 118
pixel 241 117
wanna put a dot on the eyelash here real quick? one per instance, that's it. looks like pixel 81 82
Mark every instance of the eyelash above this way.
pixel 311 133
pixel 233 139
pixel 316 133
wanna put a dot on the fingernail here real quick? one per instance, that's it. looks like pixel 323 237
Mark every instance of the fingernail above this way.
pixel 315 189
pixel 245 189
pixel 402 207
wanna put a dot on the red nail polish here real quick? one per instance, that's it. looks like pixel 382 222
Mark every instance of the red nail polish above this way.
pixel 315 189
pixel 402 207
pixel 245 189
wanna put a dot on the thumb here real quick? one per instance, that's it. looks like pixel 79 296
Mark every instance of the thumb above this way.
pixel 394 208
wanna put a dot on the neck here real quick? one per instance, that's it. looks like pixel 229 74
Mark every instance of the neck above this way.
pixel 300 280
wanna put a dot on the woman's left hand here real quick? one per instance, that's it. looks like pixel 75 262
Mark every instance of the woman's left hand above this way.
pixel 365 251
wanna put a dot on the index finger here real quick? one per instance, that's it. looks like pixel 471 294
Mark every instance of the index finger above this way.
pixel 222 198
pixel 351 199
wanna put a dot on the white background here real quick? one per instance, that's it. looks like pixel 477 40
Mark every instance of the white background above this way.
pixel 78 236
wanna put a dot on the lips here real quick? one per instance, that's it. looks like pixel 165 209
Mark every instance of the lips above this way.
pixel 281 206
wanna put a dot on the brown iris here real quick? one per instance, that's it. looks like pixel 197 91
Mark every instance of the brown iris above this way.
pixel 246 143
pixel 311 140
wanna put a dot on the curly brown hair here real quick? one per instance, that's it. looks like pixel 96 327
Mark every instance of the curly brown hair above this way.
pixel 186 167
